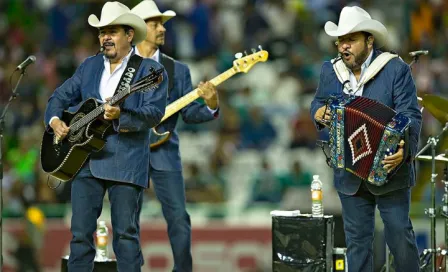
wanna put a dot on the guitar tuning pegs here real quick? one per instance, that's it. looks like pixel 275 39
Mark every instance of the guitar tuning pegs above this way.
pixel 259 47
pixel 253 50
pixel 245 52
pixel 238 55
pixel 151 70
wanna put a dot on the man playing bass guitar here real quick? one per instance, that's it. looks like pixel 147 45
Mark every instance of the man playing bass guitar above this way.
pixel 166 168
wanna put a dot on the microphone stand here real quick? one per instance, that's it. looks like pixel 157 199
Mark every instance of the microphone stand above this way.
pixel 415 59
pixel 2 128
pixel 432 142
pixel 444 211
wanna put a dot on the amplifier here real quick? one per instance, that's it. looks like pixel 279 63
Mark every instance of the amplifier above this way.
pixel 301 242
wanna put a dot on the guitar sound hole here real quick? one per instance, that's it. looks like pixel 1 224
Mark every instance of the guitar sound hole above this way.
pixel 76 135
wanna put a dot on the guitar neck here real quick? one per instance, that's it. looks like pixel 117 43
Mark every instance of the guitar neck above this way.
pixel 193 95
pixel 149 82
pixel 94 114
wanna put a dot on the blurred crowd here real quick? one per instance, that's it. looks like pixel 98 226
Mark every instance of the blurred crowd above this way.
pixel 264 124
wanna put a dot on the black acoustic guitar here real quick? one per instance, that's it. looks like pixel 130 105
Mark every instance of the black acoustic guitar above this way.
pixel 87 130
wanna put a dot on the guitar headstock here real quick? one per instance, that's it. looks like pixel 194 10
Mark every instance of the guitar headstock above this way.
pixel 149 82
pixel 244 64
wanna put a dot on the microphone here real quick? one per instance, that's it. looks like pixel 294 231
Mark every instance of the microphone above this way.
pixel 418 53
pixel 101 50
pixel 27 62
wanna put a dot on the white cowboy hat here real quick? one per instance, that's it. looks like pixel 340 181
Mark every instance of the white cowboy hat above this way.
pixel 148 9
pixel 115 13
pixel 355 19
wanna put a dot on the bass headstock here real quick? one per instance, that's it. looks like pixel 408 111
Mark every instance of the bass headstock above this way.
pixel 244 64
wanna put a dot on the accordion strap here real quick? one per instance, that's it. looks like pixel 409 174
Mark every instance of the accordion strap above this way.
pixel 377 64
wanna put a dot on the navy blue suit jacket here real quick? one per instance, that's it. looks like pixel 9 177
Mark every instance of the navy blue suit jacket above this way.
pixel 125 157
pixel 167 156
pixel 394 87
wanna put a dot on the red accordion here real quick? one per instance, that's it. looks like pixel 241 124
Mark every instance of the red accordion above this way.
pixel 362 132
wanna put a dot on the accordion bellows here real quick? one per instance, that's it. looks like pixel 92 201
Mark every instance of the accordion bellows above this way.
pixel 362 132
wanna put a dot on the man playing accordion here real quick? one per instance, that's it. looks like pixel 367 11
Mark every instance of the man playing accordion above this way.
pixel 363 70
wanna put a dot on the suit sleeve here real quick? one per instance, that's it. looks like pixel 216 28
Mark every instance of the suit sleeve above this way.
pixel 405 100
pixel 319 98
pixel 195 112
pixel 151 111
pixel 68 94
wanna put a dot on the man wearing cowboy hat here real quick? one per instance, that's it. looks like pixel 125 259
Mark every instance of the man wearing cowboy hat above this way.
pixel 393 86
pixel 121 167
pixel 166 168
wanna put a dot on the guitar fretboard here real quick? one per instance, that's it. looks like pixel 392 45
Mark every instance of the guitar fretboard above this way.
pixel 148 83
pixel 193 95
pixel 98 111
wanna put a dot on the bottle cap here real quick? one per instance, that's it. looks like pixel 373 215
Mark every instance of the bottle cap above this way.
pixel 315 176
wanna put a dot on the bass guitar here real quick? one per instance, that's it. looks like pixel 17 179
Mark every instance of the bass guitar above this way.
pixel 62 159
pixel 241 64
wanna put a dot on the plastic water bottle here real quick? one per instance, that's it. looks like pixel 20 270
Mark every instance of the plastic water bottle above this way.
pixel 101 242
pixel 317 208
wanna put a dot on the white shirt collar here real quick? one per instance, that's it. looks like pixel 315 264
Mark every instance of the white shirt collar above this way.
pixel 354 84
pixel 367 62
pixel 155 57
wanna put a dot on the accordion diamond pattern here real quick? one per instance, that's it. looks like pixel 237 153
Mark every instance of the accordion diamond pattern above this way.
pixel 362 131
pixel 359 144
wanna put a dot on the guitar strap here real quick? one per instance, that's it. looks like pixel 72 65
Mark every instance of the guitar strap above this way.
pixel 129 73
pixel 168 63
pixel 126 78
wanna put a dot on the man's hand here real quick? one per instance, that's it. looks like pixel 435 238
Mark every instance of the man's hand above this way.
pixel 111 112
pixel 392 161
pixel 60 129
pixel 322 115
pixel 208 91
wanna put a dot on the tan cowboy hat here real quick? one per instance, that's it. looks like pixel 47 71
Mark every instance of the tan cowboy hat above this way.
pixel 148 9
pixel 115 13
pixel 355 19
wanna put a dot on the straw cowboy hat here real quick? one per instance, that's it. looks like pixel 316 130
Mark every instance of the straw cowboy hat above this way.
pixel 355 19
pixel 115 13
pixel 148 9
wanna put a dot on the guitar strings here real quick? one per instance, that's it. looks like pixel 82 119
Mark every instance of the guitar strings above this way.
pixel 143 83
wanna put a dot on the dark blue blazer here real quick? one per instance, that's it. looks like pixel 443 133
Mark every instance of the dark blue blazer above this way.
pixel 167 156
pixel 394 87
pixel 125 157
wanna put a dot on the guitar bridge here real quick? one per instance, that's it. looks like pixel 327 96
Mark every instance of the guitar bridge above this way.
pixel 56 145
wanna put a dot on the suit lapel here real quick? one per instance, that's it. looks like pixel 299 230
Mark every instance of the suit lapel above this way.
pixel 168 63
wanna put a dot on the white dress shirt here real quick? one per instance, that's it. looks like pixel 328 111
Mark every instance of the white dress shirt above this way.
pixel 156 57
pixel 109 81
pixel 354 82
